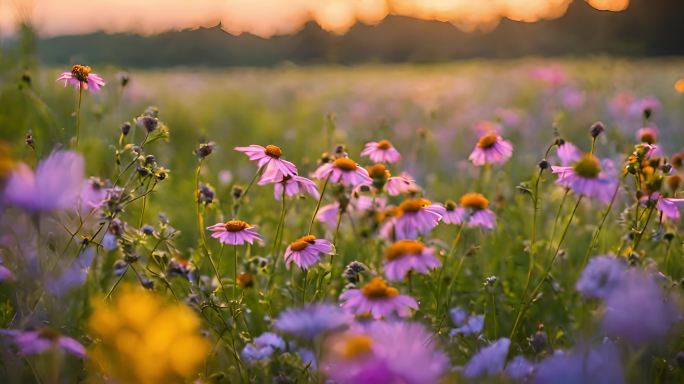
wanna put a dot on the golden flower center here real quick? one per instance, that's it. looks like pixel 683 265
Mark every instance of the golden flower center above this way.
pixel 355 346
pixel 384 144
pixel 413 205
pixel 648 137
pixel 48 334
pixel 345 164
pixel 450 205
pixel 588 166
pixel 378 172
pixel 378 289
pixel 474 201
pixel 81 72
pixel 301 243
pixel 404 248
pixel 273 151
pixel 487 141
pixel 236 225
pixel 245 280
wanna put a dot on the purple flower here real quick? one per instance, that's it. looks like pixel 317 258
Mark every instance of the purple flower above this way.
pixel 293 185
pixel 408 255
pixel 519 369
pixel 473 211
pixel 306 251
pixel 385 352
pixel 343 170
pixel 234 232
pixel 417 217
pixel 638 291
pixel 275 168
pixel 378 300
pixel 263 347
pixel 327 215
pixel 82 77
pixel 74 276
pixel 39 341
pixel 491 149
pixel 312 320
pixel 5 274
pixel 55 185
pixel 568 153
pixel 489 361
pixel 581 365
pixel 465 324
pixel 381 152
pixel 588 177
pixel 92 196
pixel 600 277
pixel 404 183
pixel 669 207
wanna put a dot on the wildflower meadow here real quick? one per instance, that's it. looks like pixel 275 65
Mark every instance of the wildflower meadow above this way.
pixel 486 221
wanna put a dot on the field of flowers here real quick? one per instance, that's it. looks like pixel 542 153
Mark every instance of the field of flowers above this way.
pixel 486 221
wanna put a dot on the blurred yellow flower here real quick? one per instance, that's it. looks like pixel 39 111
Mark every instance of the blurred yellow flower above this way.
pixel 141 338
pixel 6 162
pixel 679 85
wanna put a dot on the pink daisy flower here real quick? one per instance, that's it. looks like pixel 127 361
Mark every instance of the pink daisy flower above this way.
pixel 667 206
pixel 378 300
pixel 234 232
pixel 39 341
pixel 275 168
pixel 587 177
pixel 491 149
pixel 81 77
pixel 327 215
pixel 648 135
pixel 568 153
pixel 293 185
pixel 417 217
pixel 306 251
pixel 408 255
pixel 343 170
pixel 397 185
pixel 381 152
pixel 473 211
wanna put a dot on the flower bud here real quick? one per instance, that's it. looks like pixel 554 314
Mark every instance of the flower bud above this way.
pixel 597 129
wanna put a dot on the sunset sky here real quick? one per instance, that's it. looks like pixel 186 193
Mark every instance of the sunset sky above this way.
pixel 267 17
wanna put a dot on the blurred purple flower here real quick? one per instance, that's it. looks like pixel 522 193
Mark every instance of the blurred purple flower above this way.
pixel 343 170
pixel 404 183
pixel 465 324
pixel 81 76
pixel 327 215
pixel 638 291
pixel 581 365
pixel 404 256
pixel 589 177
pixel 378 300
pixel 312 320
pixel 39 341
pixel 418 217
pixel 262 347
pixel 491 149
pixel 306 251
pixel 519 369
pixel 568 153
pixel 381 152
pixel 55 185
pixel 600 277
pixel 293 185
pixel 489 361
pixel 74 276
pixel 473 211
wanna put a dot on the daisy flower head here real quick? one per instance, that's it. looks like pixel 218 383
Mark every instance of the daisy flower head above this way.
pixel 473 210
pixel 648 135
pixel 293 185
pixel 377 299
pixel 379 174
pixel 384 352
pixel 567 152
pixel 669 207
pixel 408 255
pixel 306 251
pixel 381 152
pixel 404 183
pixel 41 340
pixel 81 76
pixel 417 217
pixel 268 157
pixel 491 149
pixel 343 170
pixel 234 232
pixel 588 177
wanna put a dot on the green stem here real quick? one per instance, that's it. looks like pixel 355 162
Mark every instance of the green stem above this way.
pixel 236 207
pixel 640 235
pixel 218 276
pixel 235 262
pixel 594 238
pixel 318 204
pixel 78 112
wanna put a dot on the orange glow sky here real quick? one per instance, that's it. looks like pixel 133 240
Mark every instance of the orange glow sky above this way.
pixel 268 17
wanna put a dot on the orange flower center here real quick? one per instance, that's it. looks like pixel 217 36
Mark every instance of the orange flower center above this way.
pixel 378 289
pixel 487 141
pixel 413 205
pixel 236 225
pixel 450 205
pixel 301 243
pixel 378 172
pixel 356 346
pixel 345 164
pixel 404 248
pixel 474 201
pixel 273 151
pixel 648 137
pixel 384 144
pixel 81 72
pixel 48 334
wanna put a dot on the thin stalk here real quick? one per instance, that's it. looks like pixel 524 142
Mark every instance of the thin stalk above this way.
pixel 78 111
pixel 235 262
pixel 640 235
pixel 236 207
pixel 594 238
pixel 318 204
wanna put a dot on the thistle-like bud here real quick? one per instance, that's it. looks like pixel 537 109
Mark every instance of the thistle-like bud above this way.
pixel 596 129
pixel 125 128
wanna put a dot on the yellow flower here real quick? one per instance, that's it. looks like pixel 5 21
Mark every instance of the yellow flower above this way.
pixel 679 86
pixel 141 338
